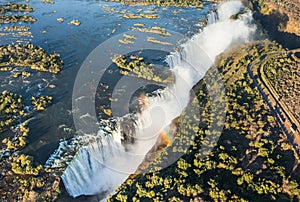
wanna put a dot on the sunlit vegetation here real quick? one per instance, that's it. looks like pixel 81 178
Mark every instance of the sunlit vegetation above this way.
pixel 21 177
pixel 252 160
pixel 19 140
pixel 126 41
pixel 13 111
pixel 30 56
pixel 283 73
pixel 15 13
pixel 40 103
pixel 288 10
pixel 16 31
pixel 11 7
pixel 16 18
pixel 139 25
pixel 60 20
pixel 11 108
pixel 48 1
pixel 153 40
pixel 15 7
pixel 16 28
pixel 154 30
pixel 134 16
pixel 182 3
pixel 129 36
pixel 75 22
pixel 135 66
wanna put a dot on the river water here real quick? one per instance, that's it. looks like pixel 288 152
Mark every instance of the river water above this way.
pixel 74 44
pixel 99 22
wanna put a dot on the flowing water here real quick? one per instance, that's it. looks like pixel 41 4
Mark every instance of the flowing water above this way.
pixel 103 161
pixel 98 20
pixel 99 162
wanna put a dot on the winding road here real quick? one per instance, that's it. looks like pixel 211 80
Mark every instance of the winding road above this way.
pixel 287 121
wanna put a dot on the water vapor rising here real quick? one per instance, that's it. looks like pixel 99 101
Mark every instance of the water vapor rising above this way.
pixel 86 174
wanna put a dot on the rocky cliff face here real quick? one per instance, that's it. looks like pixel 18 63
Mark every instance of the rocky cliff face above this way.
pixel 280 19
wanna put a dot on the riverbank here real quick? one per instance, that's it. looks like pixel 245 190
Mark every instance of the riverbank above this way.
pixel 242 155
pixel 45 82
pixel 254 158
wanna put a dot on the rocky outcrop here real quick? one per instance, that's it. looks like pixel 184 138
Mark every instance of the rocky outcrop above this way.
pixel 279 19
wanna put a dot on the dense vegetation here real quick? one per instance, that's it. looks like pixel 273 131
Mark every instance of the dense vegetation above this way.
pixel 7 8
pixel 11 108
pixel 287 10
pixel 15 7
pixel 280 19
pixel 136 66
pixel 21 178
pixel 283 72
pixel 28 55
pixel 253 160
pixel 15 14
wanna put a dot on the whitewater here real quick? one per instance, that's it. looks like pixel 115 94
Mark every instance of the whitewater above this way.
pixel 100 163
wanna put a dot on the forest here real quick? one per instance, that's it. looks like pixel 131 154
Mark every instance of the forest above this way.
pixel 252 159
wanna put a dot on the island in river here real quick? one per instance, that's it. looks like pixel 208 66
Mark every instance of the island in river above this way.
pixel 257 155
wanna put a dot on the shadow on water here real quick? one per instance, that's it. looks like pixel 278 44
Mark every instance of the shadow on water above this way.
pixel 66 197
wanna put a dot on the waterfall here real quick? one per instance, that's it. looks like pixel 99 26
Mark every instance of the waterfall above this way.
pixel 212 17
pixel 93 169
